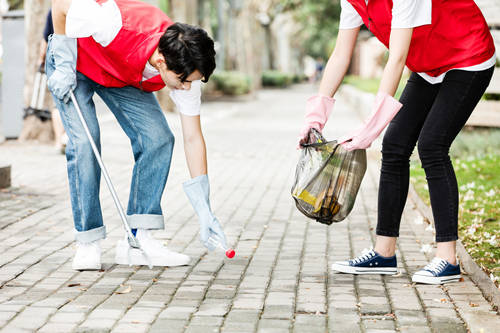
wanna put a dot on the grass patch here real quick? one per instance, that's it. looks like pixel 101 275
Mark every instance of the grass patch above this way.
pixel 371 85
pixel 476 158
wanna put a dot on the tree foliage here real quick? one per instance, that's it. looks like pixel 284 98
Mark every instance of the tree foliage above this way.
pixel 319 20
pixel 15 4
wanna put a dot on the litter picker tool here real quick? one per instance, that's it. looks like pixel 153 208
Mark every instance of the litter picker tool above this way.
pixel 133 241
pixel 38 97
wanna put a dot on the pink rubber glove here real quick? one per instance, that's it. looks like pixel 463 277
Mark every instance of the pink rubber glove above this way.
pixel 318 109
pixel 384 109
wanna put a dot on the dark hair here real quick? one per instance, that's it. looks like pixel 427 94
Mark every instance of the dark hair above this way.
pixel 187 48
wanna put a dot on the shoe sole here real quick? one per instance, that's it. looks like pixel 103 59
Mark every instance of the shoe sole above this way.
pixel 87 268
pixel 137 259
pixel 364 270
pixel 435 279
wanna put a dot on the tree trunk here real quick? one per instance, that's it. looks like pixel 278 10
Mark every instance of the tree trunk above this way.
pixel 185 11
pixel 2 138
pixel 35 14
pixel 249 44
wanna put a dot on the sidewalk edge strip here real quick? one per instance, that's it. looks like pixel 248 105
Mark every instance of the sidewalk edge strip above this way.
pixel 476 274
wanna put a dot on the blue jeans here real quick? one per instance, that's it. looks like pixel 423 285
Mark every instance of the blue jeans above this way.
pixel 142 119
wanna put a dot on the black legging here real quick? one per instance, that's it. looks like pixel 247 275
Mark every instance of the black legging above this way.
pixel 433 115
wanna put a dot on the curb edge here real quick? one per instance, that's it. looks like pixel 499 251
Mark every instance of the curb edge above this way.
pixel 476 274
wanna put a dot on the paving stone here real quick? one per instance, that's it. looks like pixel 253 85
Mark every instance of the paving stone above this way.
pixel 274 325
pixel 415 329
pixel 212 310
pixel 410 318
pixel 206 321
pixel 96 324
pixel 378 323
pixel 278 312
pixel 7 315
pixel 311 307
pixel 103 313
pixel 131 328
pixel 57 327
pixel 177 312
pixel 201 329
pixel 310 320
pixel 172 325
pixel 248 301
pixel 138 315
pixel 67 317
pixel 443 324
pixel 300 328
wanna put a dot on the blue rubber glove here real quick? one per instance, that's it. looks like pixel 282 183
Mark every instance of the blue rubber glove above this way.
pixel 63 79
pixel 198 193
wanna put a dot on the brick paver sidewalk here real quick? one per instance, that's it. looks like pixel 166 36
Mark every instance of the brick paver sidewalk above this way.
pixel 280 279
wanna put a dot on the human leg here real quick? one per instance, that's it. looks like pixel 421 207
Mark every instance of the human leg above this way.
pixel 143 121
pixel 458 96
pixel 83 171
pixel 398 144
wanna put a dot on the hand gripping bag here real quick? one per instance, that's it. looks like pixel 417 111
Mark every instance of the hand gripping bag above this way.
pixel 327 179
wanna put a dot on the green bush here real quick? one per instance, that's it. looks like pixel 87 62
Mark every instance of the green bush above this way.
pixel 232 82
pixel 298 78
pixel 492 97
pixel 276 79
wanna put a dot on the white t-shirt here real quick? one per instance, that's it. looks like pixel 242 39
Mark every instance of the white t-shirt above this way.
pixel 406 14
pixel 87 18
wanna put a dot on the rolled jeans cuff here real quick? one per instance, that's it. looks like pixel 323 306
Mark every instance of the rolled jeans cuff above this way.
pixel 146 221
pixel 91 235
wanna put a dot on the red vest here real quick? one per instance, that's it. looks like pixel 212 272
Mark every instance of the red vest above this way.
pixel 122 62
pixel 458 35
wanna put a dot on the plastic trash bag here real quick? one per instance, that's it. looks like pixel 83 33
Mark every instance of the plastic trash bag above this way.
pixel 327 179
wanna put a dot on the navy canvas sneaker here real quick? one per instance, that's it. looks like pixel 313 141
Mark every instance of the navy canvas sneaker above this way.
pixel 369 262
pixel 438 271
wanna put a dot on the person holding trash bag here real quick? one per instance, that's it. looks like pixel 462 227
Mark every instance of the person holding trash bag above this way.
pixel 123 50
pixel 450 51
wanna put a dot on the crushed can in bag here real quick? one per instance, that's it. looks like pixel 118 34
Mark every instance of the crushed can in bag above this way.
pixel 327 179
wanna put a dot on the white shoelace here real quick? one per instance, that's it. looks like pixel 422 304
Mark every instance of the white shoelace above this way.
pixel 436 266
pixel 365 254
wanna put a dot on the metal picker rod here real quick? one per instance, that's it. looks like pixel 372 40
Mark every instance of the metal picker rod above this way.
pixel 104 171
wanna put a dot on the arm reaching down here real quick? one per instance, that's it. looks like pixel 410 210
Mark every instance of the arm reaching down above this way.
pixel 194 145
pixel 319 106
pixel 197 188
pixel 64 53
pixel 385 107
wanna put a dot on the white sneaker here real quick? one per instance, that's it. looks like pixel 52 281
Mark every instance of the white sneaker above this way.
pixel 156 251
pixel 87 257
